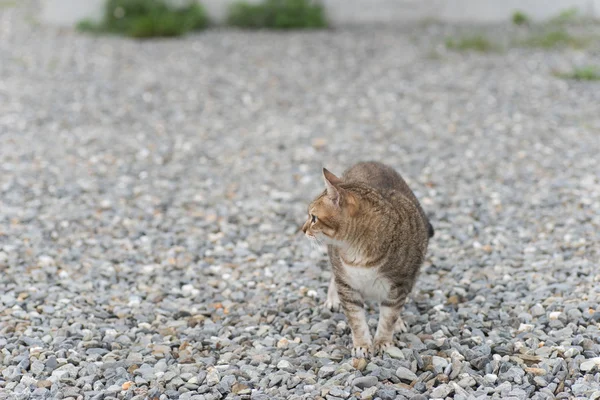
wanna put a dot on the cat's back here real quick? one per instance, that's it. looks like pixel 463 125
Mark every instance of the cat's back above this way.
pixel 387 182
pixel 378 176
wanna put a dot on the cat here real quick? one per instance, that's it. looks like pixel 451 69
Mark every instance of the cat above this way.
pixel 376 235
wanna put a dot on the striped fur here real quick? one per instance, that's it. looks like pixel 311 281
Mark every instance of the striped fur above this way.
pixel 377 235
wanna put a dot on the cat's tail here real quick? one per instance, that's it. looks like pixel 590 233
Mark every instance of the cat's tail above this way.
pixel 430 230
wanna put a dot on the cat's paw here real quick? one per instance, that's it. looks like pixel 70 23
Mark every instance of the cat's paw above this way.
pixel 361 352
pixel 400 326
pixel 383 346
pixel 332 304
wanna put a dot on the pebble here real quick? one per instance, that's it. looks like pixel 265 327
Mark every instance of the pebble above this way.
pixel 365 381
pixel 286 366
pixel 386 394
pixel 11 373
pixel 467 381
pixel 395 352
pixel 441 391
pixel 439 362
pixel 212 377
pixel 537 310
pixel 368 393
pixel 326 371
pixel 588 365
pixel 37 367
pixel 406 374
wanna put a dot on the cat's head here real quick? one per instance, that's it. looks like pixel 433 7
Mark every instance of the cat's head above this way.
pixel 330 213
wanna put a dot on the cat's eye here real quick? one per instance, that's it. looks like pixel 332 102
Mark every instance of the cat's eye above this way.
pixel 313 218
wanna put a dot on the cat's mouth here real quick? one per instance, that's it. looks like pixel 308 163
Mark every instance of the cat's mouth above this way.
pixel 314 240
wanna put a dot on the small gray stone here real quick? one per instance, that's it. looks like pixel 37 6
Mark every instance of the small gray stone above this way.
pixel 439 362
pixel 212 377
pixel 40 393
pixel 387 394
pixel 201 377
pixel 368 393
pixel 539 381
pixel 11 373
pixel 480 362
pixel 286 366
pixel 365 381
pixel 341 394
pixel 395 352
pixel 514 374
pixel 441 391
pixel 227 382
pixel 588 365
pixel 309 388
pixel 37 367
pixel 571 352
pixel 28 381
pixel 97 350
pixel 406 374
pixel 467 382
pixel 135 357
pixel 326 371
pixel 518 393
pixel 51 363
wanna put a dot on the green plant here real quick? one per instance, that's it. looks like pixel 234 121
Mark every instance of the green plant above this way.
pixel 474 42
pixel 246 15
pixel 554 38
pixel 87 25
pixel 587 73
pixel 155 26
pixel 520 18
pixel 564 17
pixel 8 3
pixel 148 18
pixel 277 14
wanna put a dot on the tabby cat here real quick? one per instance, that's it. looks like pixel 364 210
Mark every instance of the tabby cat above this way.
pixel 376 235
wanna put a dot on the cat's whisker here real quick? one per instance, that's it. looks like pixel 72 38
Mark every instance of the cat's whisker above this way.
pixel 319 242
pixel 313 243
pixel 316 243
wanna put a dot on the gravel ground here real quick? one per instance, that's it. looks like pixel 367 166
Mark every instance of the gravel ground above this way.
pixel 152 192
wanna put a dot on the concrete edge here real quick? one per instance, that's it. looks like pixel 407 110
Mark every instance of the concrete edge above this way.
pixel 342 12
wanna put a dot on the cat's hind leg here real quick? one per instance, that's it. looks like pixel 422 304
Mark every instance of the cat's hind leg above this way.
pixel 389 318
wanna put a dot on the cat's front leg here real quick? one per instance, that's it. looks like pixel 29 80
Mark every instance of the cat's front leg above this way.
pixel 353 306
pixel 333 299
pixel 389 318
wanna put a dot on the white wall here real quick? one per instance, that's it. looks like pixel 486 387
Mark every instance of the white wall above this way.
pixel 69 12
pixel 501 10
pixel 351 11
pixel 340 12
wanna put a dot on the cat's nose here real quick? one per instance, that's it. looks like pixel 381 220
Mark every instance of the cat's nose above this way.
pixel 305 227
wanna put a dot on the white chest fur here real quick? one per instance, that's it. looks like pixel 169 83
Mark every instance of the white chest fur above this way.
pixel 367 281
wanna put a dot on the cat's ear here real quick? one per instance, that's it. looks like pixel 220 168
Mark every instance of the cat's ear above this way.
pixel 332 182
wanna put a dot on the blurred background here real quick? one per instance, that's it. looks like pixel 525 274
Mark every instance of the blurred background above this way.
pixel 68 12
pixel 156 162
